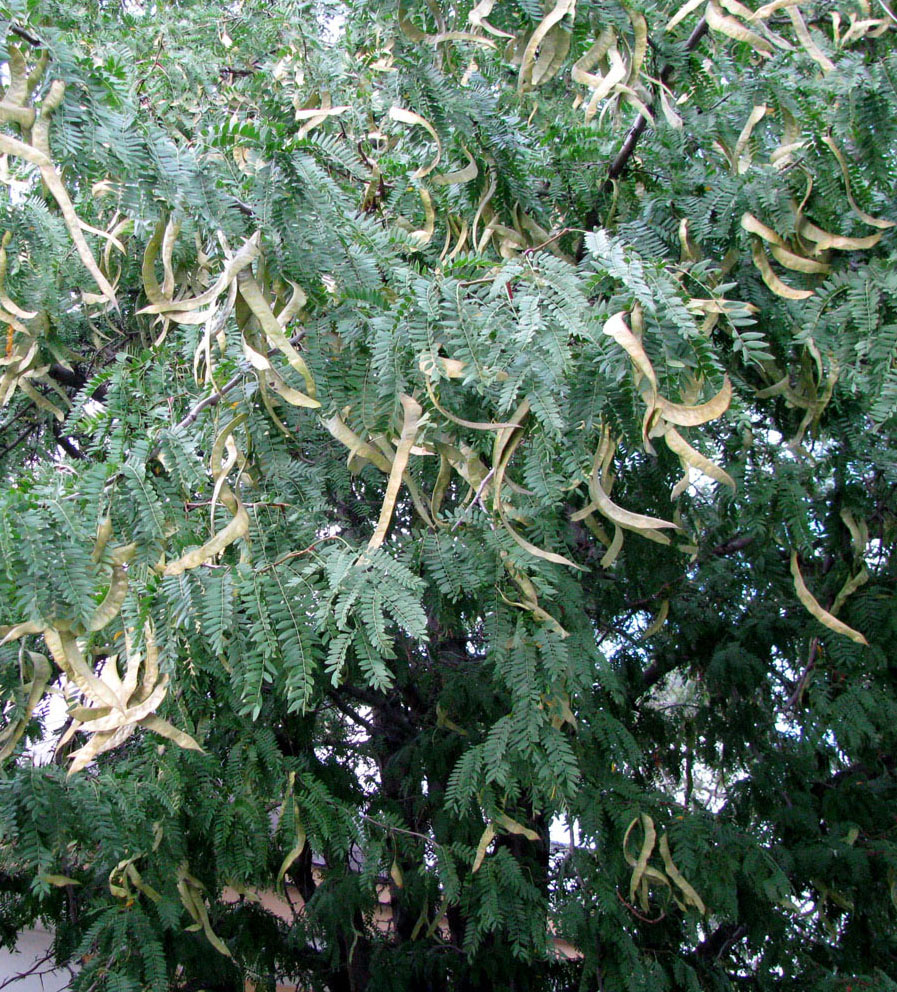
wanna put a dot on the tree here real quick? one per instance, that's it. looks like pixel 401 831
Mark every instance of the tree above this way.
pixel 429 428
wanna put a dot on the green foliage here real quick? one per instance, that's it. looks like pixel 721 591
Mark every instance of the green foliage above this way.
pixel 324 524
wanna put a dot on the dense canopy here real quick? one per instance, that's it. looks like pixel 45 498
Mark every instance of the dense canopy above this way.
pixel 449 477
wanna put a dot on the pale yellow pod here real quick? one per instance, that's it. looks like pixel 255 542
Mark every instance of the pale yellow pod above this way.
pixel 104 532
pixel 295 303
pixel 40 678
pixel 424 235
pixel 172 229
pixel 771 279
pixel 412 415
pixel 625 518
pixel 346 436
pixel 112 602
pixel 798 263
pixel 98 744
pixel 581 70
pixel 842 162
pixel 459 176
pixel 41 142
pixel 657 623
pixel 234 265
pixel 5 301
pixel 477 17
pixel 561 9
pixel 825 240
pixel 237 528
pixel 678 444
pixel 40 400
pixel 513 827
pixel 486 839
pixel 691 897
pixel 294 397
pixel 613 550
pixel 689 7
pixel 754 226
pixel 849 588
pixel 617 328
pixel 67 654
pixel 164 729
pixel 810 46
pixel 691 415
pixel 271 328
pixel 814 607
pixel 761 13
pixel 732 28
pixel 743 160
pixel 410 117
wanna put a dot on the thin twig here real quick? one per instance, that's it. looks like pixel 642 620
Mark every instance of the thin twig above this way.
pixel 476 499
pixel 297 554
pixel 400 830
pixel 548 241
pixel 33 971
pixel 740 932
pixel 25 408
pixel 636 913
pixel 207 502
pixel 203 404
pixel 804 679
pixel 216 398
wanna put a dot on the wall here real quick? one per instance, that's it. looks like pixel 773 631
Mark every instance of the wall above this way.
pixel 32 946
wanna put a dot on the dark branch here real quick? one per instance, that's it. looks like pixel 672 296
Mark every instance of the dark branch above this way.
pixel 66 445
pixel 721 940
pixel 67 377
pixel 26 36
pixel 212 400
pixel 28 430
pixel 352 715
pixel 729 547
pixel 635 132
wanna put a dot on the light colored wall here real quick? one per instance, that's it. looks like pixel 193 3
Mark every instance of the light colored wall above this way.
pixel 32 945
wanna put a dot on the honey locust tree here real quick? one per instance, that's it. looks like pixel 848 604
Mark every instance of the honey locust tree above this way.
pixel 428 432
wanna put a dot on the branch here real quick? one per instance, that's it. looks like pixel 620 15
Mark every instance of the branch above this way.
pixel 548 241
pixel 17 442
pixel 400 830
pixel 796 696
pixel 729 547
pixel 215 398
pixel 352 715
pixel 67 446
pixel 291 554
pixel 36 43
pixel 35 971
pixel 67 376
pixel 721 940
pixel 635 132
pixel 477 499
pixel 637 914
pixel 212 400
